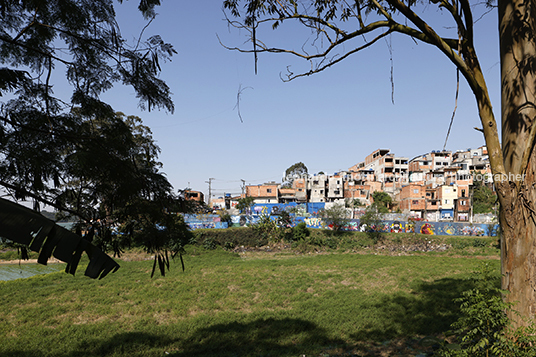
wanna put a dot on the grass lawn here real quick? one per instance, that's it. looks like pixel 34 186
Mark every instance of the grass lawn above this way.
pixel 250 304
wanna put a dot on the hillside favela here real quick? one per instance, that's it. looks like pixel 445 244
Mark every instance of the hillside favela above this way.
pixel 447 192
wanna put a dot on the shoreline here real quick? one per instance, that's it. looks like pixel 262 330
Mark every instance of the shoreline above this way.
pixel 29 261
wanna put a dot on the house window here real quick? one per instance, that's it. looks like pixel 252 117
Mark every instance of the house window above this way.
pixel 269 190
pixel 447 202
pixel 414 202
pixel 415 190
pixel 462 203
pixel 463 193
pixel 447 190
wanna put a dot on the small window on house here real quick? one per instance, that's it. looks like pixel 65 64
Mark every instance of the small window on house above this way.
pixel 414 202
pixel 269 190
pixel 462 203
pixel 415 190
pixel 447 202
pixel 463 193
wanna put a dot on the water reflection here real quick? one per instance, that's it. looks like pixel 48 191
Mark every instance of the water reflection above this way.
pixel 16 271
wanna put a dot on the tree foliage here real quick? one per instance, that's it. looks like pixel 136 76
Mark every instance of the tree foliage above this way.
pixel 484 198
pixel 335 217
pixel 245 203
pixel 75 153
pixel 382 201
pixel 295 171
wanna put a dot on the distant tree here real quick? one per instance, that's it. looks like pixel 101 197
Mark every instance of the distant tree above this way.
pixel 370 222
pixel 353 203
pixel 484 198
pixel 335 216
pixel 382 201
pixel 293 172
pixel 245 203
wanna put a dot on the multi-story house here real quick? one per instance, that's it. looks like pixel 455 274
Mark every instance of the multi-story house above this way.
pixel 190 195
pixel 447 194
pixel 462 209
pixel 265 193
pixel 335 188
pixel 300 189
pixel 412 200
pixel 317 188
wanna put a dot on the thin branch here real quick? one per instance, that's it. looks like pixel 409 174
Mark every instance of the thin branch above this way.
pixel 238 97
pixel 455 106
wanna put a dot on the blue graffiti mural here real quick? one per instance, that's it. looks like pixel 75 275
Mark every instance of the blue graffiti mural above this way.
pixel 432 228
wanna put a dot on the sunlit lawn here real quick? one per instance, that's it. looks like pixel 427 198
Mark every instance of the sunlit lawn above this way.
pixel 226 304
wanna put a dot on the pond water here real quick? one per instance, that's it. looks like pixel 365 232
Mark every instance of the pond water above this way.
pixel 16 271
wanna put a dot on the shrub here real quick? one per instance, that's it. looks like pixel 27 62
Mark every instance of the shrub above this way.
pixel 371 222
pixel 479 243
pixel 484 329
pixel 336 217
pixel 209 243
pixel 300 232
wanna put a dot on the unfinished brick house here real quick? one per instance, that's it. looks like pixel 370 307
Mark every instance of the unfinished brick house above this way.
pixel 265 193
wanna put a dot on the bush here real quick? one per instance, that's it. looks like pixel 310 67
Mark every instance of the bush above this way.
pixel 336 217
pixel 209 243
pixel 300 232
pixel 484 329
pixel 237 236
pixel 371 222
pixel 479 243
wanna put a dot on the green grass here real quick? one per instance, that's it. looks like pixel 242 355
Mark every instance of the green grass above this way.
pixel 225 304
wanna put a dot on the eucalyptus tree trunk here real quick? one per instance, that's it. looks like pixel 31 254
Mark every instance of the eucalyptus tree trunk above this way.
pixel 518 193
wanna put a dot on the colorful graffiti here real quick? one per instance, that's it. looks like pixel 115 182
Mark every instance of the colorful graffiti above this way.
pixel 427 229
pixel 395 226
pixel 314 222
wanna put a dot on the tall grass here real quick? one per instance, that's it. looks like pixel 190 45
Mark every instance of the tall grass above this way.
pixel 226 304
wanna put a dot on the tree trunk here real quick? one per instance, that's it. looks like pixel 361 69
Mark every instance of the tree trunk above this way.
pixel 517 194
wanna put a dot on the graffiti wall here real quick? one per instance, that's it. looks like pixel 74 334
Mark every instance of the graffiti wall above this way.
pixel 198 221
pixel 395 226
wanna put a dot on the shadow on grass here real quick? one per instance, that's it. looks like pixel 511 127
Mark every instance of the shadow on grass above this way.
pixel 429 310
pixel 400 321
pixel 262 337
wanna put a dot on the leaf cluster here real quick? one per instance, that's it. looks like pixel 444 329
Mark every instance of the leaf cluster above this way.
pixel 483 328
pixel 335 216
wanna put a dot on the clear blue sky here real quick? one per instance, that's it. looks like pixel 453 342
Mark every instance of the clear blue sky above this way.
pixel 329 121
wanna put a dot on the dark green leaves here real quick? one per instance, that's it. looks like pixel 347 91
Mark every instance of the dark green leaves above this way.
pixel 22 225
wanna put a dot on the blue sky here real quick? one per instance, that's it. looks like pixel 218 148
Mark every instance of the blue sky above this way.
pixel 329 121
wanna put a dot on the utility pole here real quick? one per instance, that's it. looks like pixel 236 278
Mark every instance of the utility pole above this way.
pixel 243 186
pixel 210 191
